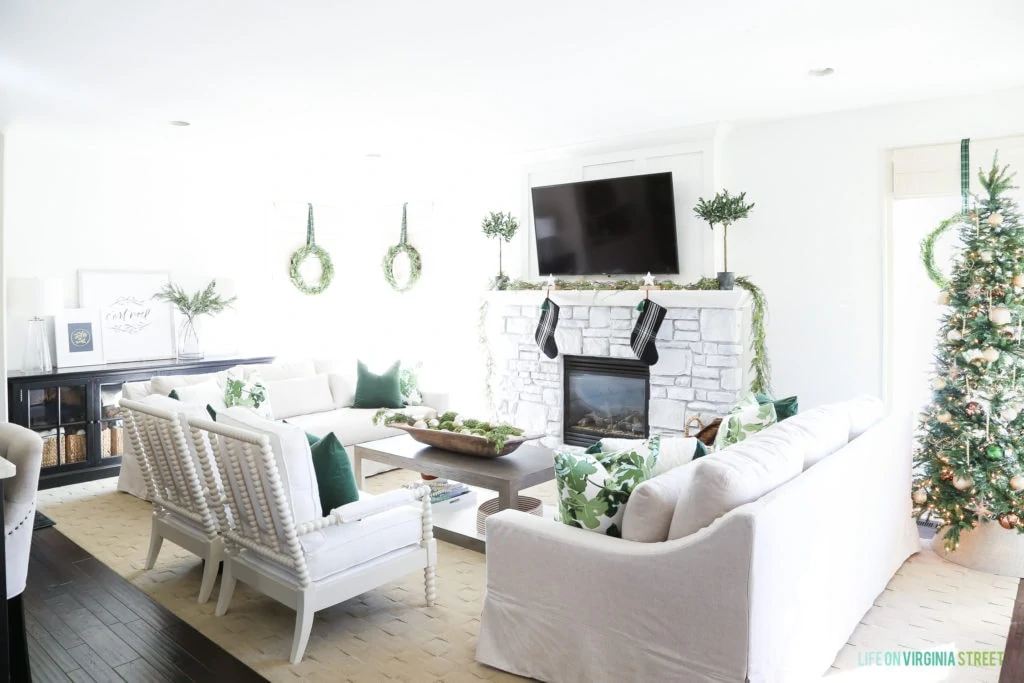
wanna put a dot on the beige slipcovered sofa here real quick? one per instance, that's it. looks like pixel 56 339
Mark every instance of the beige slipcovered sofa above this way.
pixel 770 553
pixel 316 395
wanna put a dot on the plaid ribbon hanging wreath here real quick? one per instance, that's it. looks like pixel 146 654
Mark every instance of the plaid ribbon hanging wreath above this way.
pixel 965 173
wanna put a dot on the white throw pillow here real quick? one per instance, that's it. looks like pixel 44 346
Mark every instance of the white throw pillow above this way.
pixel 817 433
pixel 207 393
pixel 864 412
pixel 652 504
pixel 163 384
pixel 300 396
pixel 675 452
pixel 342 390
pixel 733 477
pixel 293 456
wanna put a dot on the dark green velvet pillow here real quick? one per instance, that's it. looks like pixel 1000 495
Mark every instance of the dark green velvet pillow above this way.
pixel 593 448
pixel 378 391
pixel 784 407
pixel 334 477
pixel 700 451
pixel 209 408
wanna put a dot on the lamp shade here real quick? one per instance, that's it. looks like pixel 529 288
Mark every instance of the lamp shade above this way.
pixel 38 296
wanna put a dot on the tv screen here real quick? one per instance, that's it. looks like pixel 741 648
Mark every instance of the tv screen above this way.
pixel 604 227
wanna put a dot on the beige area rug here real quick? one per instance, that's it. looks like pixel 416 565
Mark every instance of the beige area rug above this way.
pixel 389 634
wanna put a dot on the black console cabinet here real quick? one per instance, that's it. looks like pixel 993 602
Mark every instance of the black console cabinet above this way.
pixel 75 411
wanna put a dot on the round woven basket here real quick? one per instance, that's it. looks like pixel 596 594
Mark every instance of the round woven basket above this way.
pixel 533 506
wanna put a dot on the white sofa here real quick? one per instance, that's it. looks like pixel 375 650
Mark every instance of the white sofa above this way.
pixel 316 395
pixel 767 591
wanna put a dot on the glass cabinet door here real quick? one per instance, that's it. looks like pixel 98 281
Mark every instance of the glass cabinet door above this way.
pixel 58 414
pixel 112 431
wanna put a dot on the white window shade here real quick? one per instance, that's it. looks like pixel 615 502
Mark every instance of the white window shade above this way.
pixel 934 170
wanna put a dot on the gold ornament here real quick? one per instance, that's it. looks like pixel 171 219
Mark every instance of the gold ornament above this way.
pixel 1004 521
pixel 1012 518
pixel 944 417
pixel 946 474
pixel 954 335
pixel 961 483
pixel 920 497
pixel 986 256
pixel 943 298
pixel 939 383
pixel 990 354
pixel 1017 482
pixel 973 408
pixel 1000 315
pixel 1018 280
pixel 995 219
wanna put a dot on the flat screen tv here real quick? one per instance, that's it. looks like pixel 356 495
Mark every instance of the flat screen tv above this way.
pixel 604 227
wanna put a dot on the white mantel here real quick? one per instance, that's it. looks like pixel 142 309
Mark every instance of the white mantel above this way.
pixel 703 347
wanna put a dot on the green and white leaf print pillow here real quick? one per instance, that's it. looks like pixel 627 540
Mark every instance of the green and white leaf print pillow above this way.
pixel 745 418
pixel 593 487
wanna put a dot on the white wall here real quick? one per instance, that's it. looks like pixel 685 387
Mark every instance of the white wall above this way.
pixel 3 289
pixel 88 200
pixel 815 241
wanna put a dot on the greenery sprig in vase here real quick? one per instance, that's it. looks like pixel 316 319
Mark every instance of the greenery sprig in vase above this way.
pixel 202 302
pixel 724 210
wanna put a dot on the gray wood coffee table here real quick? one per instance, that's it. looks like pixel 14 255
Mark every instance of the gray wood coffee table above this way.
pixel 527 466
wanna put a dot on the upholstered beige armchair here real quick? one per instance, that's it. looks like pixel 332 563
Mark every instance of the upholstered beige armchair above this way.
pixel 23 448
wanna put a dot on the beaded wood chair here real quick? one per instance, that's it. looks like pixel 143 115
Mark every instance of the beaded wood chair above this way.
pixel 181 511
pixel 319 563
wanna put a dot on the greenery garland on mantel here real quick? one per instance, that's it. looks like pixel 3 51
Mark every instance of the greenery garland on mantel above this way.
pixel 760 365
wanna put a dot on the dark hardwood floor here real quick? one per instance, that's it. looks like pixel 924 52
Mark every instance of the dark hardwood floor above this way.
pixel 86 623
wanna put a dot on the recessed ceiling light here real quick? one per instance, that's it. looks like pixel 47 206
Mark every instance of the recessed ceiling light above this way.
pixel 180 124
pixel 821 73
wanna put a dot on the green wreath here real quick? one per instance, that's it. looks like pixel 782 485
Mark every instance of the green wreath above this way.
pixel 403 247
pixel 928 250
pixel 312 249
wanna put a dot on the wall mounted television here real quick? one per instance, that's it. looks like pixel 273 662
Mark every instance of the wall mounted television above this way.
pixel 613 226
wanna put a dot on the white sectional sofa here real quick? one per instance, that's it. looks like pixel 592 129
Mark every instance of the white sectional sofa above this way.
pixel 773 551
pixel 316 395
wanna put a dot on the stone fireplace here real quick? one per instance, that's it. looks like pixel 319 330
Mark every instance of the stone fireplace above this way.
pixel 604 397
pixel 702 369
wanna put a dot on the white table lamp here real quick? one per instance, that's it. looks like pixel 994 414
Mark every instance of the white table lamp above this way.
pixel 36 297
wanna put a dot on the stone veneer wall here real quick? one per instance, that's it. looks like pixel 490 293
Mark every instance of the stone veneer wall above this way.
pixel 701 369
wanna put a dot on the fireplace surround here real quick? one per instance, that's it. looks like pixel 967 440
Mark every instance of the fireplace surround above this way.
pixel 703 354
pixel 604 397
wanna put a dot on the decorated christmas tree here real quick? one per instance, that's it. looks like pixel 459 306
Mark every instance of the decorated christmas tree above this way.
pixel 970 463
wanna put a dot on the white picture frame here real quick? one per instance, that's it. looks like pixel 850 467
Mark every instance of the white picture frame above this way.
pixel 78 334
pixel 135 326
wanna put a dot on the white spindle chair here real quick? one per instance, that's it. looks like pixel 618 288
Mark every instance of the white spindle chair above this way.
pixel 181 510
pixel 265 548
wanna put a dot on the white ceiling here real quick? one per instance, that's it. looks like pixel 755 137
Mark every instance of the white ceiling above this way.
pixel 522 75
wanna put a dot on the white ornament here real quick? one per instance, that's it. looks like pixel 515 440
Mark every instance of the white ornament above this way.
pixel 433 422
pixel 961 483
pixel 944 417
pixel 990 354
pixel 954 335
pixel 973 355
pixel 938 384
pixel 1000 315
pixel 986 256
pixel 995 219
pixel 648 280
pixel 457 422
pixel 1017 482
pixel 920 497
pixel 465 431
pixel 943 298
pixel 1009 414
pixel 419 424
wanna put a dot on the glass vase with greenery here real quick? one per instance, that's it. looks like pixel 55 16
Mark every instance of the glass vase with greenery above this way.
pixel 192 307
pixel 724 210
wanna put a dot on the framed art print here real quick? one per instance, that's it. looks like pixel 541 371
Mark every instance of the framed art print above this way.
pixel 79 338
pixel 134 325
